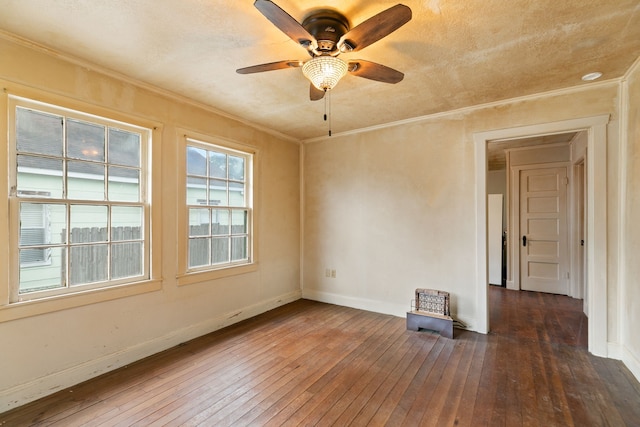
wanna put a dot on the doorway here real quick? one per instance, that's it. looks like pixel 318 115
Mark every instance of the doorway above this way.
pixel 596 248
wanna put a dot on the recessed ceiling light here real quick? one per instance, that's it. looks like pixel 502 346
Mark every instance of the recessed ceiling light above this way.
pixel 591 76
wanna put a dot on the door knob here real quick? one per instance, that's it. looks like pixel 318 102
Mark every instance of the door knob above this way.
pixel 524 240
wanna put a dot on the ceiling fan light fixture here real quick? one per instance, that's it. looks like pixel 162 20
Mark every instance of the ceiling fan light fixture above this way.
pixel 324 72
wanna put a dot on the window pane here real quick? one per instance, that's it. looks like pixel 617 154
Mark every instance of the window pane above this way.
pixel 39 176
pixel 126 259
pixel 57 217
pixel 43 277
pixel 85 140
pixel 89 264
pixel 196 161
pixel 124 148
pixel 85 181
pixel 217 192
pixel 198 222
pixel 38 133
pixel 33 232
pixel 88 223
pixel 236 194
pixel 219 222
pixel 196 191
pixel 238 248
pixel 236 168
pixel 124 184
pixel 220 250
pixel 32 215
pixel 217 165
pixel 239 222
pixel 126 223
pixel 199 252
pixel 42 224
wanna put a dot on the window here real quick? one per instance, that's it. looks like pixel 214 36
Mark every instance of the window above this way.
pixel 218 197
pixel 80 211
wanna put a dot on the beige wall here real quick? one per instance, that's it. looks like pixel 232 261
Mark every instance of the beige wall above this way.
pixel 393 209
pixel 49 351
pixel 631 231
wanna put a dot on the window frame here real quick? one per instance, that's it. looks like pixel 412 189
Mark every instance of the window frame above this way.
pixel 188 275
pixel 14 305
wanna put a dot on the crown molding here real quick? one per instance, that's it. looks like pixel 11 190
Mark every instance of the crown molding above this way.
pixel 632 69
pixel 465 110
pixel 140 84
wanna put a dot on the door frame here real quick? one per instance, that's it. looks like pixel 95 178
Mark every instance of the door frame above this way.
pixel 578 231
pixel 596 128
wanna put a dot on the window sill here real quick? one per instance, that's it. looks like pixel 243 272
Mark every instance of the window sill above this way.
pixel 36 307
pixel 205 276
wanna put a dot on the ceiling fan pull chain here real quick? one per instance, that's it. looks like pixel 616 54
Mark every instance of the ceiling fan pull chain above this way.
pixel 327 108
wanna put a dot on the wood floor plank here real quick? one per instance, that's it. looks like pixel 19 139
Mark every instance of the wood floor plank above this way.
pixel 391 362
pixel 315 365
pixel 352 390
pixel 432 345
pixel 622 388
pixel 309 363
pixel 490 374
pixel 242 404
pixel 464 413
pixel 176 412
pixel 414 345
pixel 448 403
pixel 420 388
pixel 333 385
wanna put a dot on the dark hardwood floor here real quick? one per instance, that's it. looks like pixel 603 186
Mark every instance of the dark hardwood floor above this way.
pixel 309 363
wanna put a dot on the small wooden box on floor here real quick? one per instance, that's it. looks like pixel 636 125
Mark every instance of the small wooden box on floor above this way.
pixel 431 312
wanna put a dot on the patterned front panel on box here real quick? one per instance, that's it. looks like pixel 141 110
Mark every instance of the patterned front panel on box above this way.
pixel 432 301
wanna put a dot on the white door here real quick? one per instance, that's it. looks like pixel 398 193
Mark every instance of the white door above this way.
pixel 544 263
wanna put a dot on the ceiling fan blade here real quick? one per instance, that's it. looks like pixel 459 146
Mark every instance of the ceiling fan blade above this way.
pixel 280 65
pixel 315 94
pixel 286 23
pixel 372 71
pixel 375 28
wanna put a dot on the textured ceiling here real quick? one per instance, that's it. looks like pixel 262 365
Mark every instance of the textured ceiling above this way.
pixel 454 53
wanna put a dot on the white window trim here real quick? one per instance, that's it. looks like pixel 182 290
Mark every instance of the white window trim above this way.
pixel 186 275
pixel 8 257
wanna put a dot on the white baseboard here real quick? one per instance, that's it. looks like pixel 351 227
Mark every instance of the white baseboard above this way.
pixel 632 362
pixel 40 387
pixel 359 303
pixel 614 350
pixel 398 310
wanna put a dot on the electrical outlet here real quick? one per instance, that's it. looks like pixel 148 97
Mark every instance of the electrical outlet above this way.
pixel 327 272
pixel 333 274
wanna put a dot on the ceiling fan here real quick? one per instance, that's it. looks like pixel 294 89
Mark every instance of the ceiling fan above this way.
pixel 325 34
